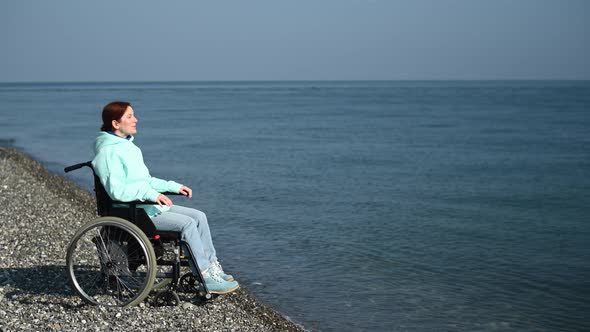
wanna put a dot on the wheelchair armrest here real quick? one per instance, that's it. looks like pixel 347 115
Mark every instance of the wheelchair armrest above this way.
pixel 168 193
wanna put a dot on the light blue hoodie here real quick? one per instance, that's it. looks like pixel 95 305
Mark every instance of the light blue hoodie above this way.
pixel 119 165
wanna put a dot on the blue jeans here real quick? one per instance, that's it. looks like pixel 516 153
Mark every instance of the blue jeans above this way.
pixel 195 231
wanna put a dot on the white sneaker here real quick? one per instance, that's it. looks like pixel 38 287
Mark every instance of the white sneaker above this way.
pixel 217 285
pixel 216 268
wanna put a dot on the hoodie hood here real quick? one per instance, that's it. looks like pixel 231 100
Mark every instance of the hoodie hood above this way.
pixel 107 139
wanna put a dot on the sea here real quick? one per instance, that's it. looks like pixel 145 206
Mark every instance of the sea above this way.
pixel 362 205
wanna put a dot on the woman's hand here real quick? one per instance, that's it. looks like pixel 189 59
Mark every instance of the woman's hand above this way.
pixel 186 191
pixel 163 199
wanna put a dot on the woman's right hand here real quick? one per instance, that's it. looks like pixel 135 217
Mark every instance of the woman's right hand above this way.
pixel 163 199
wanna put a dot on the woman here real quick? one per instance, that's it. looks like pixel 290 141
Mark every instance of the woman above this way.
pixel 119 165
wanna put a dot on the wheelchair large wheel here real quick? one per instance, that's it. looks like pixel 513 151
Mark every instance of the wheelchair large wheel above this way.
pixel 110 262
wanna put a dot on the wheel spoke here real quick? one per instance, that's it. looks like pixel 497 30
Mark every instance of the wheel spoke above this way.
pixel 103 260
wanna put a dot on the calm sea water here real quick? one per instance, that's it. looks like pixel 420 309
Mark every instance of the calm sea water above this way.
pixel 412 206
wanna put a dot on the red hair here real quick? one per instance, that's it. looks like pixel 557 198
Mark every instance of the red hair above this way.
pixel 113 111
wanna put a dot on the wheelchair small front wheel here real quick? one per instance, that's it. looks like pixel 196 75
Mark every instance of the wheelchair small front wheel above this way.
pixel 111 262
pixel 166 298
pixel 188 283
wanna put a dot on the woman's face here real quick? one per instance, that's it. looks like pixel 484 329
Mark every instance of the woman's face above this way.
pixel 127 125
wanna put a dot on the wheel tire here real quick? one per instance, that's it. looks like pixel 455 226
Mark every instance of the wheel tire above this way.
pixel 109 252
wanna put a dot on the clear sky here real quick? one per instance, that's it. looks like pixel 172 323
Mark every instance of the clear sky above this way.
pixel 133 40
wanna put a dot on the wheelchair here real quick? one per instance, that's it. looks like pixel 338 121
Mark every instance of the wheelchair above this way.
pixel 118 259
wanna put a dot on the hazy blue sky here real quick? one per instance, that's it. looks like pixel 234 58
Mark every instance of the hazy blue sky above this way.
pixel 125 40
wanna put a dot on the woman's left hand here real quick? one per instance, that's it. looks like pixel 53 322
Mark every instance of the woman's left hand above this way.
pixel 186 191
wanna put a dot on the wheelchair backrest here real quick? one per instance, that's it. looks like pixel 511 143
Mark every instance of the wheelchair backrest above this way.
pixel 105 204
pixel 103 200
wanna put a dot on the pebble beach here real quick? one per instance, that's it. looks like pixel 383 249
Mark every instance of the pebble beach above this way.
pixel 40 213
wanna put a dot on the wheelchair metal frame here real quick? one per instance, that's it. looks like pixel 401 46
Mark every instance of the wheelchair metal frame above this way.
pixel 125 240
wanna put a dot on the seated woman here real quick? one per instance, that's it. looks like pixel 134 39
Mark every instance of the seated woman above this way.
pixel 119 165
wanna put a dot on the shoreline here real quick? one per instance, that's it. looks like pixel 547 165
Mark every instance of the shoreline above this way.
pixel 41 211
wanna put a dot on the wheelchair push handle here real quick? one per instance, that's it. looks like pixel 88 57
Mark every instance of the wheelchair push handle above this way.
pixel 77 166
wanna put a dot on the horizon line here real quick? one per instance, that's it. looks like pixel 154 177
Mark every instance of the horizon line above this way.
pixel 310 80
